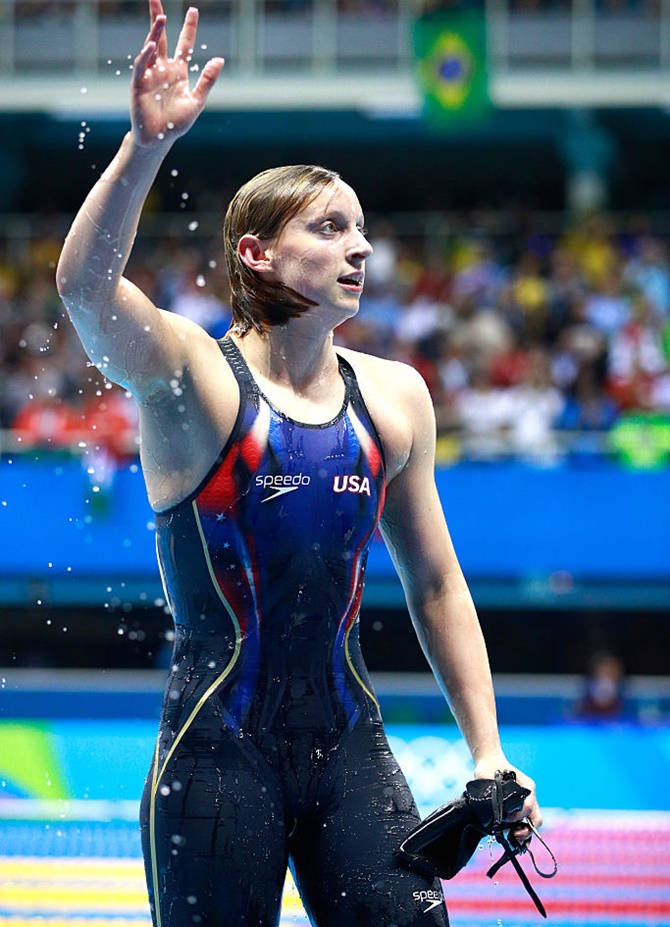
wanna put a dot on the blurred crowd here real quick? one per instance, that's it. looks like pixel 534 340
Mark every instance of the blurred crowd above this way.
pixel 534 345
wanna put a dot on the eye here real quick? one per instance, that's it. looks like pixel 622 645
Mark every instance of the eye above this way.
pixel 363 229
pixel 329 226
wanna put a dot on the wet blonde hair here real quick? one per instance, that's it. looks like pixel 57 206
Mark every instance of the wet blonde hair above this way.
pixel 262 207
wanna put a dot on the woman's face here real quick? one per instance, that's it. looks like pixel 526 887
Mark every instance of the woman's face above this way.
pixel 321 251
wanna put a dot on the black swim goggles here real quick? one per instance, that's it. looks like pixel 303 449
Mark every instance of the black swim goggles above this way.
pixel 445 841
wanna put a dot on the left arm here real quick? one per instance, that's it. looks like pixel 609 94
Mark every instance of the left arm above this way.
pixel 438 598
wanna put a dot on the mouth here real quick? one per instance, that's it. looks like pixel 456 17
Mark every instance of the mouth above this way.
pixel 352 281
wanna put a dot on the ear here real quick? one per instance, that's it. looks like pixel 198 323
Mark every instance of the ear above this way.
pixel 255 253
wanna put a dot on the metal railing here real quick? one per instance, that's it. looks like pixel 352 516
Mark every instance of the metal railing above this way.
pixel 87 36
pixel 321 37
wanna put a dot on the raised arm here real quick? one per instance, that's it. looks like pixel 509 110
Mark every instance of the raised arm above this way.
pixel 122 331
pixel 437 594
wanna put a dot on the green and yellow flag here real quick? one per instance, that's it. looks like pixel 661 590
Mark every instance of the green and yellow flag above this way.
pixel 450 52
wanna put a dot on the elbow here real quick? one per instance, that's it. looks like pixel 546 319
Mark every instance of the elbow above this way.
pixel 65 283
pixel 79 289
pixel 78 274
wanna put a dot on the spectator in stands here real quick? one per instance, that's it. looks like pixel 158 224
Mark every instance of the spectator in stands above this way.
pixel 105 420
pixel 607 305
pixel 603 697
pixel 592 243
pixel 535 405
pixel 649 272
pixel 565 287
pixel 45 422
pixel 477 276
pixel 635 357
pixel 510 365
pixel 484 416
pixel 526 297
pixel 587 406
pixel 588 414
pixel 197 301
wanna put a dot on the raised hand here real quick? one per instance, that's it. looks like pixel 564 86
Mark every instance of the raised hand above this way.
pixel 163 106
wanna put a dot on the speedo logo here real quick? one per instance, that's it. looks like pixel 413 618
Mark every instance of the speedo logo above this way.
pixel 431 897
pixel 281 483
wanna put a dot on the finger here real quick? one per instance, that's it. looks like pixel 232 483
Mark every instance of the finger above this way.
pixel 186 41
pixel 144 61
pixel 155 10
pixel 531 812
pixel 534 814
pixel 153 40
pixel 522 833
pixel 207 79
pixel 159 34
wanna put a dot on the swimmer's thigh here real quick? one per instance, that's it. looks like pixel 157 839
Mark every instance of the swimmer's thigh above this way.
pixel 343 859
pixel 214 842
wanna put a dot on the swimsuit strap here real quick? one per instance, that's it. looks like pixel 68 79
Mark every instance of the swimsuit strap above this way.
pixel 238 364
pixel 348 375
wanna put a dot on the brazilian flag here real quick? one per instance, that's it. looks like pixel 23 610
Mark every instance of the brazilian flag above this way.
pixel 450 51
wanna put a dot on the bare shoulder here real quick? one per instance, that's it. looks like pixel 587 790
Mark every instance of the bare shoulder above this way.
pixel 399 403
pixel 393 377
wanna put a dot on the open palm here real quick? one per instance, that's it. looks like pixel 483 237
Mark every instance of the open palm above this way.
pixel 163 106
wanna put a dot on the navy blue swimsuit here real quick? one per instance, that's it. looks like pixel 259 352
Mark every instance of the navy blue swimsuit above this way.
pixel 271 749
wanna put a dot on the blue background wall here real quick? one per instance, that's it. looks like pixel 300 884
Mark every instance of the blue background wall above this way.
pixel 564 526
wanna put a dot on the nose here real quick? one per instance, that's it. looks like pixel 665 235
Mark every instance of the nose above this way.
pixel 360 247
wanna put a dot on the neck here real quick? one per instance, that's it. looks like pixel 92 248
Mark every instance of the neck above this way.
pixel 293 355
